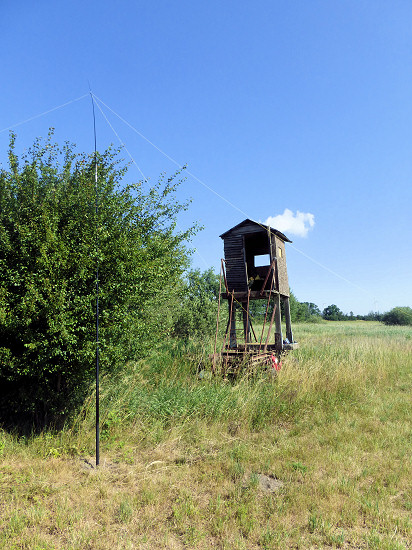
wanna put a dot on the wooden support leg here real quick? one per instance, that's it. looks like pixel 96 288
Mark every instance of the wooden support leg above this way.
pixel 278 324
pixel 286 305
pixel 246 322
pixel 265 347
pixel 232 322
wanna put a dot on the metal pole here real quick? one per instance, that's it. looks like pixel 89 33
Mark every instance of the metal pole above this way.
pixel 97 291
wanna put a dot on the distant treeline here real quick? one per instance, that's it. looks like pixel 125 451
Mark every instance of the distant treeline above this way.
pixel 307 311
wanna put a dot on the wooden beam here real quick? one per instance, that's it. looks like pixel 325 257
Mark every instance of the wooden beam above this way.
pixel 272 266
pixel 265 347
pixel 254 295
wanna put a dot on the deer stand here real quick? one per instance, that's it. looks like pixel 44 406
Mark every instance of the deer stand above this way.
pixel 244 351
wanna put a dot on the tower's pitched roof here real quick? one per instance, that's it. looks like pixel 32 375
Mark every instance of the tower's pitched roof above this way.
pixel 261 225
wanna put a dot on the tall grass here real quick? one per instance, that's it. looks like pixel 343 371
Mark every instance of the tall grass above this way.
pixel 335 365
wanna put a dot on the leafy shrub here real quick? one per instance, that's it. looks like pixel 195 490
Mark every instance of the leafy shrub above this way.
pixel 199 304
pixel 51 241
pixel 315 319
pixel 398 316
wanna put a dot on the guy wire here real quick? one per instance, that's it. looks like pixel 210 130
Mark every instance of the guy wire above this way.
pixel 94 97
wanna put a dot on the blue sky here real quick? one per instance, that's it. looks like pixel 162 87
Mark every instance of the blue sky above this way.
pixel 297 106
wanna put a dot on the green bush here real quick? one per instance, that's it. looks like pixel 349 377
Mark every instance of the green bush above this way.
pixel 51 241
pixel 398 316
pixel 315 319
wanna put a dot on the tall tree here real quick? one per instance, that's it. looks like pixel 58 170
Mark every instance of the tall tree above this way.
pixel 312 309
pixel 332 313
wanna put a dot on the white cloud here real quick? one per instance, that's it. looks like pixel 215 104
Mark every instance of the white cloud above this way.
pixel 292 224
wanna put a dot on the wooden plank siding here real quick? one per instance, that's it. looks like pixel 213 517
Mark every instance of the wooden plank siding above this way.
pixel 278 250
pixel 236 275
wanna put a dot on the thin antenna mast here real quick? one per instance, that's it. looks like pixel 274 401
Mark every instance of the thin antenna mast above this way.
pixel 97 288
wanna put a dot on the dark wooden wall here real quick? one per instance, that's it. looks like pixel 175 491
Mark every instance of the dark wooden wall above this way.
pixel 257 243
pixel 235 263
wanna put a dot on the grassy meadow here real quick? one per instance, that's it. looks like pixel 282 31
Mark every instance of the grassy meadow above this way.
pixel 319 457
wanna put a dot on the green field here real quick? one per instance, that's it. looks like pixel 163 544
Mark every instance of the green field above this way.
pixel 184 460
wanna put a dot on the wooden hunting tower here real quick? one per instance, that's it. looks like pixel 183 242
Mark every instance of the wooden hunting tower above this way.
pixel 255 266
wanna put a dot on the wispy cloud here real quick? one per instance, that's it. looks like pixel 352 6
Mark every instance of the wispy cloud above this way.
pixel 292 224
